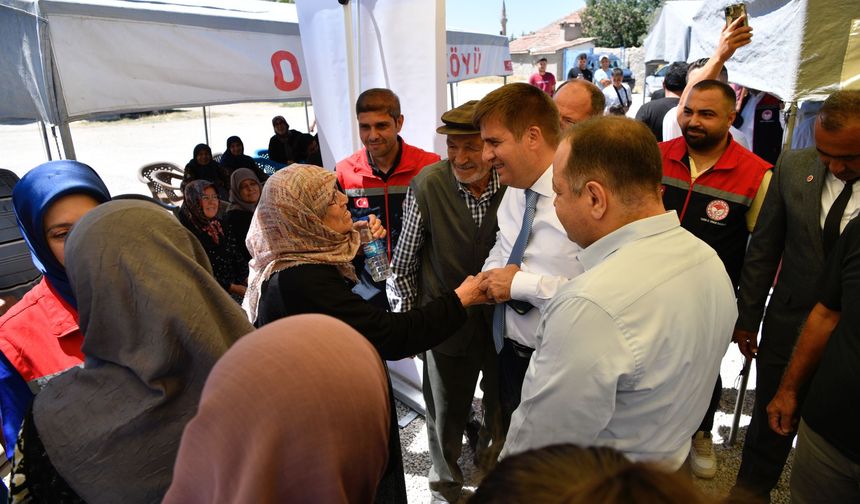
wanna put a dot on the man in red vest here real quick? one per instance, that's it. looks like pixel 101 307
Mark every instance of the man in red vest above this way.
pixel 376 177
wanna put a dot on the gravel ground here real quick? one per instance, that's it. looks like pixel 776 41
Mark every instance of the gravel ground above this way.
pixel 416 459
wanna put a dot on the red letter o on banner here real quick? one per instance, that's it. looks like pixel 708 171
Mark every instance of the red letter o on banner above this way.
pixel 284 85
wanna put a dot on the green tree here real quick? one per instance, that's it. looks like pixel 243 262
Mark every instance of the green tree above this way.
pixel 617 23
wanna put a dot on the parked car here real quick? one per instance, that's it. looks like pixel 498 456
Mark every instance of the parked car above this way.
pixel 654 81
pixel 614 62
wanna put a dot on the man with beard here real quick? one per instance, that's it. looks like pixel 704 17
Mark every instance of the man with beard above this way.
pixel 449 227
pixel 717 187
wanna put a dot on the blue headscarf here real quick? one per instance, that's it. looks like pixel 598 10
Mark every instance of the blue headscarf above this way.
pixel 34 193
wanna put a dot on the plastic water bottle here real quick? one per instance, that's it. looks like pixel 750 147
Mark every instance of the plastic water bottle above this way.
pixel 375 257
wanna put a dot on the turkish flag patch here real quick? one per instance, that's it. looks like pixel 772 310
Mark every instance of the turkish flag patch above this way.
pixel 361 203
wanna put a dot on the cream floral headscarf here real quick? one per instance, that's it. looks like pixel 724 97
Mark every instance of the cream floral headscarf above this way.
pixel 288 230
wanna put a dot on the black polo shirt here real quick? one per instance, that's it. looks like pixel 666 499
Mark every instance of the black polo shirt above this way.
pixel 832 407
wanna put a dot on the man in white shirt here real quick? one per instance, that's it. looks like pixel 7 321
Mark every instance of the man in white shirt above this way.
pixel 602 77
pixel 695 73
pixel 627 352
pixel 617 95
pixel 532 256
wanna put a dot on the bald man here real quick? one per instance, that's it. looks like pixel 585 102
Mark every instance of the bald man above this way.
pixel 578 100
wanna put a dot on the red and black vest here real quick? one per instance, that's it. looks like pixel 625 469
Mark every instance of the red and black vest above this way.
pixel 714 207
pixel 370 193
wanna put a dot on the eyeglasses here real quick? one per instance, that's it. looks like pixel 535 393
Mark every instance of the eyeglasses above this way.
pixel 209 197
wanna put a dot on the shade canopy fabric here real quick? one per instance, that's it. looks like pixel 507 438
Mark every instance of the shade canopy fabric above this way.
pixel 64 60
pixel 81 58
pixel 801 49
pixel 669 37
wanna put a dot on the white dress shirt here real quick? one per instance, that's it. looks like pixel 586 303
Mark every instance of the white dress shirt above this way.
pixel 628 352
pixel 832 187
pixel 548 261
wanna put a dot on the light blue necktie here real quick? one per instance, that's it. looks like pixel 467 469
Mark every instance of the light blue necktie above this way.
pixel 516 257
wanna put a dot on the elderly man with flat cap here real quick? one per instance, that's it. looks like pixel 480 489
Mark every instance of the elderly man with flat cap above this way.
pixel 449 227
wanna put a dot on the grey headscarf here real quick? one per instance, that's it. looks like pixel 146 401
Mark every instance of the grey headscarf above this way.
pixel 236 179
pixel 154 321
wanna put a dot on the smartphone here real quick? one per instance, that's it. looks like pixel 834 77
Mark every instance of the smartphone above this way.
pixel 735 11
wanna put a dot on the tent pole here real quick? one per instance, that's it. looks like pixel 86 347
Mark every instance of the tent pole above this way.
pixel 56 142
pixel 205 126
pixel 45 140
pixel 307 117
pixel 66 137
pixel 353 66
pixel 789 126
pixel 739 404
pixel 451 87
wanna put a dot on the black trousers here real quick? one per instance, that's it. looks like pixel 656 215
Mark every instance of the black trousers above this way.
pixel 708 422
pixel 765 452
pixel 513 363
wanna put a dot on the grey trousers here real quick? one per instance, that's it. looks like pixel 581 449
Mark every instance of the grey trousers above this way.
pixel 449 387
pixel 821 474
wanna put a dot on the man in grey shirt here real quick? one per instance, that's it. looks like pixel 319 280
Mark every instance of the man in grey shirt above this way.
pixel 627 352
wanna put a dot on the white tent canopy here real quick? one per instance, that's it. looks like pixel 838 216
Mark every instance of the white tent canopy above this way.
pixel 800 48
pixel 26 86
pixel 64 60
pixel 103 56
pixel 669 37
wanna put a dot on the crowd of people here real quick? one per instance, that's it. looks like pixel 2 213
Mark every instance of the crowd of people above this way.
pixel 592 269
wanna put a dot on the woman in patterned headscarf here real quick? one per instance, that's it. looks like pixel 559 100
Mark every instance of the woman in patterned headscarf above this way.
pixel 199 213
pixel 302 243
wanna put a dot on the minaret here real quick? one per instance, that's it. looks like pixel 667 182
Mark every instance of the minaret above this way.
pixel 504 31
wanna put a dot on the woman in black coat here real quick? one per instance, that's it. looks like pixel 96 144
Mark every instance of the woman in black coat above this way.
pixel 234 157
pixel 203 167
pixel 302 241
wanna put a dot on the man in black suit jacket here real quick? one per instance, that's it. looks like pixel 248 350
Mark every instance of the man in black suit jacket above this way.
pixel 805 188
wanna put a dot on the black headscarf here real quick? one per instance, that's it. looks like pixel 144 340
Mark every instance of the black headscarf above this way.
pixel 212 171
pixel 231 162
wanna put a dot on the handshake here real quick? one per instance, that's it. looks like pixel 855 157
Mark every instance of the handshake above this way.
pixel 492 286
